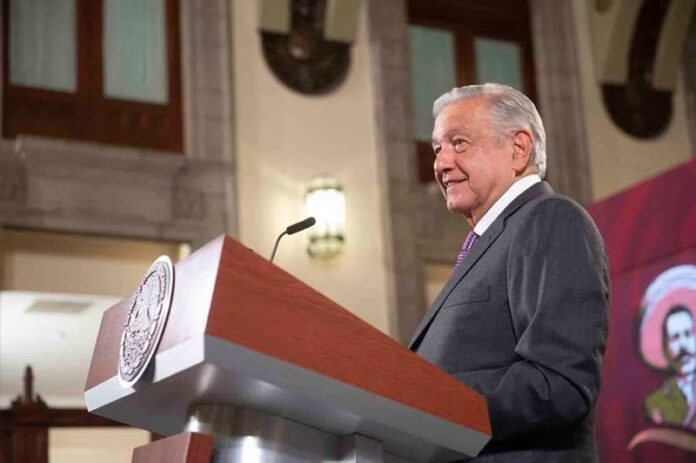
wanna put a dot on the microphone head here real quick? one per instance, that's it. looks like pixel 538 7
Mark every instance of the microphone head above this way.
pixel 299 226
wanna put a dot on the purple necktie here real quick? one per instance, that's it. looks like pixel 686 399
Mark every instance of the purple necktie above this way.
pixel 469 242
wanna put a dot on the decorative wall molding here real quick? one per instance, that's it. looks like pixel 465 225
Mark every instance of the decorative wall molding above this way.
pixel 188 203
pixel 65 185
pixel 89 188
pixel 612 43
pixel 13 181
pixel 389 48
pixel 673 34
pixel 559 94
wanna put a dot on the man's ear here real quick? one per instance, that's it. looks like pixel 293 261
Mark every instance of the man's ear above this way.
pixel 522 144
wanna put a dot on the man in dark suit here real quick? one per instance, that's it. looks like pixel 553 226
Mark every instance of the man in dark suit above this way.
pixel 523 319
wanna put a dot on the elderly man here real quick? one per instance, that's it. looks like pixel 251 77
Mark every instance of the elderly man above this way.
pixel 523 319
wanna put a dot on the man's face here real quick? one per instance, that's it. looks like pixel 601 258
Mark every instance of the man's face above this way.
pixel 473 161
pixel 681 342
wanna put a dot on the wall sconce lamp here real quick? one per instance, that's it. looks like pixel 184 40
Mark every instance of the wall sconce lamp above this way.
pixel 326 202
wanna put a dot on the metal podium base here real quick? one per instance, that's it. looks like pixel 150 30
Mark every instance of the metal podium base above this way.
pixel 249 436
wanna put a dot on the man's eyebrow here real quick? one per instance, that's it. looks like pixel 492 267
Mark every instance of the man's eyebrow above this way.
pixel 449 134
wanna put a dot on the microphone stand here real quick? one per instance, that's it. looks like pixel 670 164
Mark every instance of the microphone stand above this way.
pixel 292 229
pixel 275 246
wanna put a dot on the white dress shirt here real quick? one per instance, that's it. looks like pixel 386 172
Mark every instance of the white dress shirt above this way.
pixel 516 189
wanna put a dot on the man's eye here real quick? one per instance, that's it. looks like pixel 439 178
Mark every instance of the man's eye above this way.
pixel 437 149
pixel 459 144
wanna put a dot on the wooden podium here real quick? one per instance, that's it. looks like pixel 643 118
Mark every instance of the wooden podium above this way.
pixel 252 359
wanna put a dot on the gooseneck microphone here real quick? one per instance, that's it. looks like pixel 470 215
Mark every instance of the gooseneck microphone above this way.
pixel 291 230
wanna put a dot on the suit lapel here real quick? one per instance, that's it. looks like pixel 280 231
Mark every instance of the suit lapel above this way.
pixel 474 255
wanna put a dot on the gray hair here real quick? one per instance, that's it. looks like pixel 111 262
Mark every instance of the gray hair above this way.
pixel 510 109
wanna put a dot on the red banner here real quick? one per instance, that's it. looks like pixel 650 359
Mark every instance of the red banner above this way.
pixel 647 408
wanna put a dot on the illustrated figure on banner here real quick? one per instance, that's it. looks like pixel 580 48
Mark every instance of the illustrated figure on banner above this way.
pixel 668 343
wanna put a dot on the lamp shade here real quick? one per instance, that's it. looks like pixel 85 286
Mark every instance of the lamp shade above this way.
pixel 325 201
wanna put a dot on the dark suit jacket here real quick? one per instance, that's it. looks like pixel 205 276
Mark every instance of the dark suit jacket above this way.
pixel 523 321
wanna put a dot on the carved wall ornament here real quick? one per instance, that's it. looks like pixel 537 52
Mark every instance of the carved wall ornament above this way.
pixel 29 400
pixel 303 59
pixel 13 183
pixel 636 106
pixel 145 323
pixel 602 5
pixel 189 203
pixel 638 84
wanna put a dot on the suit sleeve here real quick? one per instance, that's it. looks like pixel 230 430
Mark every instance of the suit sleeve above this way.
pixel 558 292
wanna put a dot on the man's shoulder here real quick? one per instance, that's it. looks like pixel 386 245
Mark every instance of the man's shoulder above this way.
pixel 539 199
pixel 555 208
pixel 552 201
pixel 553 218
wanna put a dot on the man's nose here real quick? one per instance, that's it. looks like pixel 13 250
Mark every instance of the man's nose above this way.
pixel 684 342
pixel 443 161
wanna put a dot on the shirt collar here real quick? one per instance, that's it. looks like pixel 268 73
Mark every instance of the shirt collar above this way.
pixel 516 189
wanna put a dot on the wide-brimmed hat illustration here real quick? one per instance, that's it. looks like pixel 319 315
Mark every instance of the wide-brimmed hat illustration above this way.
pixel 673 287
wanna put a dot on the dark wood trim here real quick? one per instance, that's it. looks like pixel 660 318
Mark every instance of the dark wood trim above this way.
pixel 181 448
pixel 88 28
pixel 54 418
pixel 24 430
pixel 504 12
pixel 24 426
pixel 426 159
pixel 466 57
pixel 93 16
pixel 174 72
pixel 87 114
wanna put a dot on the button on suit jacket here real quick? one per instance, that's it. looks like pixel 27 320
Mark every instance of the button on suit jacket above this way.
pixel 523 321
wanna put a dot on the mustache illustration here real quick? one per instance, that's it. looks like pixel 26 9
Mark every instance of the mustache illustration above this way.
pixel 683 354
